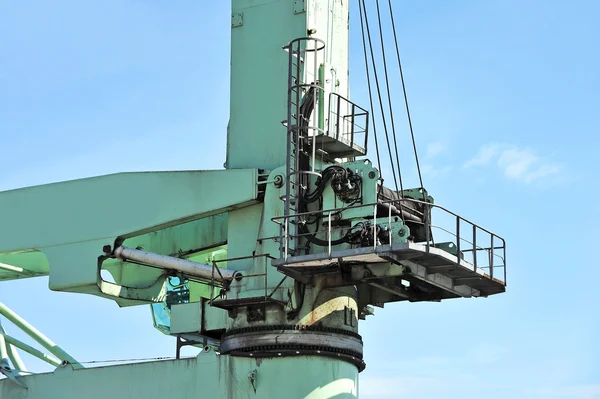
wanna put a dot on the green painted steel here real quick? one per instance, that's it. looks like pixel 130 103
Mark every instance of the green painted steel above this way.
pixel 3 348
pixel 207 376
pixel 89 214
pixel 35 334
pixel 34 352
pixel 15 358
pixel 231 219
pixel 124 204
pixel 31 263
pixel 258 91
pixel 13 355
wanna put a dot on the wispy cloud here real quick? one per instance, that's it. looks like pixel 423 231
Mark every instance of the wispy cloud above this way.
pixel 434 149
pixel 435 172
pixel 485 155
pixel 517 164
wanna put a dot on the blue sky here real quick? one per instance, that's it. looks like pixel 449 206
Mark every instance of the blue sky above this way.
pixel 504 97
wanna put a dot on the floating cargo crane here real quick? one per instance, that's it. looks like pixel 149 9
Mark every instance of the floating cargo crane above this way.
pixel 267 265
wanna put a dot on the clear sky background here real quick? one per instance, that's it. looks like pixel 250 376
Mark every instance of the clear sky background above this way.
pixel 505 105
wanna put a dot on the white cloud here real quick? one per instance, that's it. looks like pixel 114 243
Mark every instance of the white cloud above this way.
pixel 434 172
pixel 517 164
pixel 485 156
pixel 434 149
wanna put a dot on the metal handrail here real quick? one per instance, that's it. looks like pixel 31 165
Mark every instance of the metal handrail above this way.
pixel 336 111
pixel 475 247
pixel 429 206
pixel 216 268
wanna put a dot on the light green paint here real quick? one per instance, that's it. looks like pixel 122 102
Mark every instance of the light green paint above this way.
pixel 13 355
pixel 33 263
pixel 82 216
pixel 242 235
pixel 186 317
pixel 259 72
pixel 209 375
pixel 31 350
pixel 197 317
pixel 123 204
pixel 259 75
pixel 173 213
pixel 35 334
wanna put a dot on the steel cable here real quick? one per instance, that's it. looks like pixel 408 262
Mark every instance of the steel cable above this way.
pixel 389 97
pixel 412 134
pixel 362 28
pixel 387 137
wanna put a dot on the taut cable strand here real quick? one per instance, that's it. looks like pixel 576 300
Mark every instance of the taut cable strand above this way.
pixel 389 97
pixel 387 137
pixel 412 134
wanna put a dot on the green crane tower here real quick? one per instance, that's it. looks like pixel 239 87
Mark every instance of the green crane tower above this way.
pixel 267 265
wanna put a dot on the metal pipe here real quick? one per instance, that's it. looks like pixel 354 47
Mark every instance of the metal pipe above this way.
pixel 168 262
pixel 36 335
pixel 406 215
pixel 13 355
pixel 15 358
pixel 329 236
pixel 458 253
pixel 16 269
pixel 390 225
pixel 492 256
pixel 3 351
pixel 321 99
pixel 474 246
pixel 34 352
pixel 374 227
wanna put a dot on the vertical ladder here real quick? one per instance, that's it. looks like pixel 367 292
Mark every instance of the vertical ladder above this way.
pixel 303 87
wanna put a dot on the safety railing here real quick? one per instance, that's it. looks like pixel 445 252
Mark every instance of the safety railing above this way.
pixel 348 122
pixel 216 270
pixel 467 241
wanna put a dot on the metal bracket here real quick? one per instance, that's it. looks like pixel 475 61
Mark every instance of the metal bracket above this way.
pixel 348 316
pixel 299 6
pixel 255 312
pixel 181 342
pixel 252 378
pixel 237 19
pixel 11 374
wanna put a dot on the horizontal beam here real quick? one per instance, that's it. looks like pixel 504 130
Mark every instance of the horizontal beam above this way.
pixel 83 210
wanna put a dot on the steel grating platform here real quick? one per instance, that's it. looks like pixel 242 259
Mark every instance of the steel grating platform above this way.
pixel 431 266
pixel 338 148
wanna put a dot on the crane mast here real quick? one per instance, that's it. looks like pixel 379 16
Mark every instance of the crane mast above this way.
pixel 267 265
